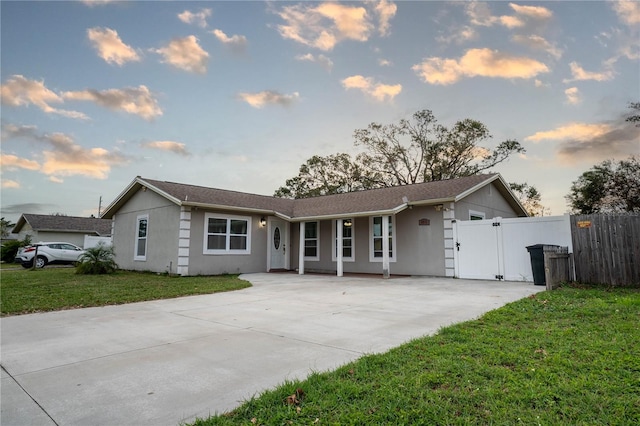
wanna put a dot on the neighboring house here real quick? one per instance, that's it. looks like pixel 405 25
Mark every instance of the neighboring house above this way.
pixel 70 229
pixel 193 230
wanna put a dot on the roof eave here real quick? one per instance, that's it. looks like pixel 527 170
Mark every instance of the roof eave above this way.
pixel 225 207
pixel 432 201
pixel 128 192
pixel 79 231
pixel 506 192
pixel 19 225
pixel 386 212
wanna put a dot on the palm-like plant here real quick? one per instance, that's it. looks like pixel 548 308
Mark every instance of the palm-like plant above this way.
pixel 97 260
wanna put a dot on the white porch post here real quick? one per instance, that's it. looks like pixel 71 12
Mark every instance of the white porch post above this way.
pixel 184 241
pixel 339 247
pixel 450 239
pixel 385 246
pixel 301 250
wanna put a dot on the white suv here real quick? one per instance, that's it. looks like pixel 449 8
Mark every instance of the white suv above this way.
pixel 64 253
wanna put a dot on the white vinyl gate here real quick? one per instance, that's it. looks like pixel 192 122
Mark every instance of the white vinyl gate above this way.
pixel 497 248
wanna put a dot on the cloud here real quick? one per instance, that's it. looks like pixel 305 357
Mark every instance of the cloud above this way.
pixel 92 3
pixel 384 62
pixel 110 47
pixel 588 143
pixel 579 74
pixel 64 157
pixel 478 63
pixel 198 18
pixel 480 15
pixel 10 184
pixel 535 12
pixel 268 97
pixel 171 146
pixel 369 86
pixel 324 25
pixel 27 208
pixel 385 11
pixel 55 179
pixel 12 162
pixel 237 43
pixel 133 100
pixel 580 131
pixel 458 35
pixel 185 54
pixel 628 11
pixel 573 95
pixel 537 42
pixel 322 60
pixel 20 91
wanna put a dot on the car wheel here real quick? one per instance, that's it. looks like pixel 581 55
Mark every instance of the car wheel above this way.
pixel 41 262
pixel 27 265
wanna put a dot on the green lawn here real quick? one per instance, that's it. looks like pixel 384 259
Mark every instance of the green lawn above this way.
pixel 571 356
pixel 50 289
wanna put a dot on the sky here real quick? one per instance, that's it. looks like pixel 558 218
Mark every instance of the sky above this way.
pixel 238 94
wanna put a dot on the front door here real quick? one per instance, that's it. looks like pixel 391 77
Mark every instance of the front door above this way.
pixel 278 244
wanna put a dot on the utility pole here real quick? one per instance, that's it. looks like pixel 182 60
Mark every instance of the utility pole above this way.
pixel 99 206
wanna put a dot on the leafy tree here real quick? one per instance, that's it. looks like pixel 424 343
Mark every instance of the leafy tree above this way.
pixel 5 227
pixel 607 187
pixel 530 198
pixel 10 248
pixel 327 175
pixel 635 118
pixel 421 150
pixel 410 151
pixel 97 260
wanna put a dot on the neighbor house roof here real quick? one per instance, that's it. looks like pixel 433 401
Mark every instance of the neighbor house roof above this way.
pixel 56 223
pixel 374 201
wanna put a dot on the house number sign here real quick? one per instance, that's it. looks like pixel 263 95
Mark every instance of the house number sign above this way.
pixel 424 222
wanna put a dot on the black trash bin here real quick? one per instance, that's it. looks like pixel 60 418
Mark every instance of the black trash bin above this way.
pixel 536 252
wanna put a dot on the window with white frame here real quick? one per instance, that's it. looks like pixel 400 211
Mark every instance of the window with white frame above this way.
pixel 142 228
pixel 348 249
pixel 376 239
pixel 476 215
pixel 224 234
pixel 311 241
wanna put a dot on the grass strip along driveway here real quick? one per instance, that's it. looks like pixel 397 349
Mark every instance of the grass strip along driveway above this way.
pixel 571 356
pixel 52 289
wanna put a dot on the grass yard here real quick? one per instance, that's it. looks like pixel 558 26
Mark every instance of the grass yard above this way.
pixel 51 289
pixel 571 356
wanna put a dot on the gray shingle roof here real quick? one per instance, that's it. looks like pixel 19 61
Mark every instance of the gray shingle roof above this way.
pixel 193 194
pixel 384 199
pixel 86 225
pixel 369 201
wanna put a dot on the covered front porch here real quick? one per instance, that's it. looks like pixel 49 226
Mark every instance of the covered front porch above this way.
pixel 344 244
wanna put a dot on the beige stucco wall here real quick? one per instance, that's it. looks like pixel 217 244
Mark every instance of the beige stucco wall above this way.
pixel 210 264
pixel 24 231
pixel 67 237
pixel 487 200
pixel 420 249
pixel 162 234
pixel 76 238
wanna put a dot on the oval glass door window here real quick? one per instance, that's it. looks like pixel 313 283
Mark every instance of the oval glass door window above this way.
pixel 276 238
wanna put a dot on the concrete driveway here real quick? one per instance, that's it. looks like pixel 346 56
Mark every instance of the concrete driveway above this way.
pixel 170 361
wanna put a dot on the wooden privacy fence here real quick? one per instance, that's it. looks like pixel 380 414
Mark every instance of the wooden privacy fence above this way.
pixel 558 266
pixel 607 249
